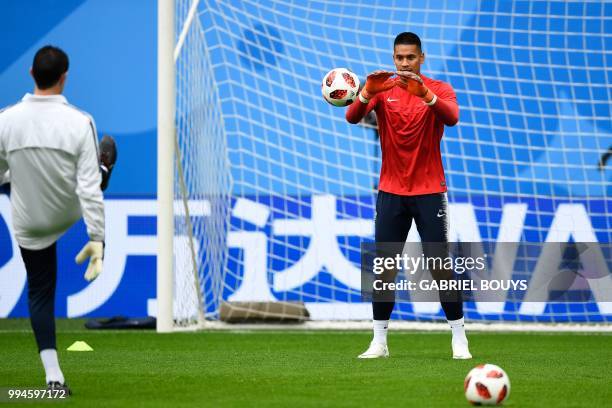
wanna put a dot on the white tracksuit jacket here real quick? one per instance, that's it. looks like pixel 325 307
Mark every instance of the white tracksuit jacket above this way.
pixel 49 153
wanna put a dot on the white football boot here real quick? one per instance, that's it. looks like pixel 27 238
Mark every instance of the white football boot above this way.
pixel 376 350
pixel 460 347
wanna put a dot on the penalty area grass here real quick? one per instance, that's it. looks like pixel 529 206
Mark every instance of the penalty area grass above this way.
pixel 306 368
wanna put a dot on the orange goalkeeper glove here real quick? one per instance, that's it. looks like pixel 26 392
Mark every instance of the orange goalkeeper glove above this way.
pixel 412 83
pixel 378 81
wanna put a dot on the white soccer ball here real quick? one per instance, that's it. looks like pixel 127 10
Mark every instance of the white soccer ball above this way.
pixel 340 87
pixel 487 384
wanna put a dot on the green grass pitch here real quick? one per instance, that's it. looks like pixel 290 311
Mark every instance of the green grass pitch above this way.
pixel 307 369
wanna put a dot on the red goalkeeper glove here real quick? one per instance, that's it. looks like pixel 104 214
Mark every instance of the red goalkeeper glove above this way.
pixel 378 81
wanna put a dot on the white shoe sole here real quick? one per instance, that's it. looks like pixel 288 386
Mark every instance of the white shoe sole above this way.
pixel 375 351
pixel 369 356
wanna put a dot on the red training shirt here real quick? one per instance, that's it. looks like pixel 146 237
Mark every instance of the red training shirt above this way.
pixel 410 134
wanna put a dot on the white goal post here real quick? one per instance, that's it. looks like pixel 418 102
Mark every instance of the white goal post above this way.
pixel 192 185
pixel 166 107
pixel 170 174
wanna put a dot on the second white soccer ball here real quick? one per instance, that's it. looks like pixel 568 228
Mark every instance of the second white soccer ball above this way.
pixel 487 384
pixel 340 87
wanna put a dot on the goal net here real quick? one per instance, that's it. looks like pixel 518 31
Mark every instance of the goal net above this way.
pixel 281 190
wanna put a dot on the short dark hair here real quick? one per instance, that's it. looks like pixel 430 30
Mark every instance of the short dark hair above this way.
pixel 407 38
pixel 49 64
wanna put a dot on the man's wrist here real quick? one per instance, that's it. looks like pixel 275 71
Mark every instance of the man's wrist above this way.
pixel 364 97
pixel 429 98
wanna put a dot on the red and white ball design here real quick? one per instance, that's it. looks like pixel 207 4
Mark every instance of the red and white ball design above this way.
pixel 487 384
pixel 340 87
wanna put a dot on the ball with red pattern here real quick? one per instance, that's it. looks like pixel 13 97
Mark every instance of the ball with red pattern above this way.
pixel 486 384
pixel 340 87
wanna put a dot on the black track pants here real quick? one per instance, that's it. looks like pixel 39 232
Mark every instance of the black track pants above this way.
pixel 394 215
pixel 41 267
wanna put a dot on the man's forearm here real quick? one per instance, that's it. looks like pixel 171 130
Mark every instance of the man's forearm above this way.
pixel 356 111
pixel 445 111
pixel 93 214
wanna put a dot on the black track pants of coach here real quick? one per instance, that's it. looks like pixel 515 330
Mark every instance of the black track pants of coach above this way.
pixel 41 267
pixel 394 215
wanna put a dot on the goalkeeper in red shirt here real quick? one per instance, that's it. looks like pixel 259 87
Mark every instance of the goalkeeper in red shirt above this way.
pixel 411 111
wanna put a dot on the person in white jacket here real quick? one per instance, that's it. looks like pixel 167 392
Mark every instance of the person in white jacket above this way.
pixel 49 154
